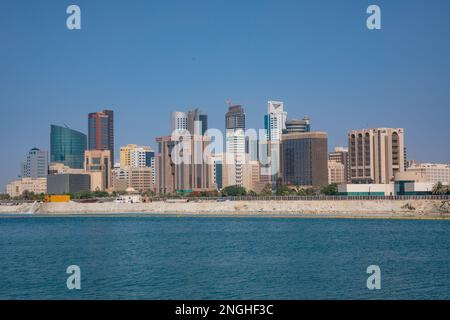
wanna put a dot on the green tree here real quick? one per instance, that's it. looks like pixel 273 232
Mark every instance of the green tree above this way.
pixel 267 190
pixel 234 191
pixel 26 195
pixel 330 190
pixel 283 191
pixel 4 197
pixel 302 192
pixel 100 194
pixel 84 195
pixel 148 193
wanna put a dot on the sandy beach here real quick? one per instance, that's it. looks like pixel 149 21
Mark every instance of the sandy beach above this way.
pixel 421 209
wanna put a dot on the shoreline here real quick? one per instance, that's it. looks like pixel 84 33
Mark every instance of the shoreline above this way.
pixel 353 209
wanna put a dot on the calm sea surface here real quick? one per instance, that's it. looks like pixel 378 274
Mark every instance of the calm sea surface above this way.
pixel 160 257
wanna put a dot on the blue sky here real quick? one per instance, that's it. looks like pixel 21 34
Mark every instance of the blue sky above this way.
pixel 144 59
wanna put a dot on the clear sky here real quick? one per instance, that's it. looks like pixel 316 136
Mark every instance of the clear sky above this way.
pixel 144 59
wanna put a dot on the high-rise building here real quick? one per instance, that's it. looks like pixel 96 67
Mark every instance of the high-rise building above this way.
pixel 252 148
pixel 336 172
pixel 101 131
pixel 376 155
pixel 275 120
pixel 196 118
pixel 36 164
pixel 192 173
pixel 275 124
pixel 67 146
pixel 98 165
pixel 125 155
pixel 235 145
pixel 217 165
pixel 304 159
pixel 298 125
pixel 243 172
pixel 235 118
pixel 178 121
pixel 142 157
pixel 136 156
pixel 340 155
pixel 133 155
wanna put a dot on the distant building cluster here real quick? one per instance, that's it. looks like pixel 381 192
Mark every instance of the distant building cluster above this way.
pixel 287 153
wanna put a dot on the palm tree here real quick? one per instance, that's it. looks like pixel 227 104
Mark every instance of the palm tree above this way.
pixel 439 189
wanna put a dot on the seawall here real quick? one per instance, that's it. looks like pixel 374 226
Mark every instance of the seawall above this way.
pixel 363 208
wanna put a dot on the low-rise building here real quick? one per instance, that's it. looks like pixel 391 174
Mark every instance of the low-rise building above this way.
pixel 431 172
pixel 17 187
pixel 58 168
pixel 68 183
pixel 138 178
pixel 367 189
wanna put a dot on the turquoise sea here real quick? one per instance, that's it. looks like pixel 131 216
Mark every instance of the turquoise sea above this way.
pixel 188 257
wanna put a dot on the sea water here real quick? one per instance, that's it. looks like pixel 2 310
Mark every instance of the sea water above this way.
pixel 192 257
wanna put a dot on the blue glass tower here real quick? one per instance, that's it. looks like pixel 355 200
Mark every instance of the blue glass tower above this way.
pixel 67 146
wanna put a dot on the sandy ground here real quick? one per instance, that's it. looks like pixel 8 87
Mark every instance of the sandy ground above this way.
pixel 344 208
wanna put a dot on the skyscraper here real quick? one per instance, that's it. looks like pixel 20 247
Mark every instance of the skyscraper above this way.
pixel 67 146
pixel 101 131
pixel 304 159
pixel 195 117
pixel 235 118
pixel 298 125
pixel 275 120
pixel 36 164
pixel 235 145
pixel 178 121
pixel 376 155
pixel 274 123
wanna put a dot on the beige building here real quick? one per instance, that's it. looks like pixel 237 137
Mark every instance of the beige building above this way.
pixel 430 172
pixel 336 172
pixel 239 170
pixel 17 187
pixel 60 168
pixel 376 155
pixel 188 171
pixel 98 164
pixel 140 179
pixel 340 155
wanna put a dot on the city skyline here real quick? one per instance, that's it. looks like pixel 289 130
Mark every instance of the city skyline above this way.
pixel 395 78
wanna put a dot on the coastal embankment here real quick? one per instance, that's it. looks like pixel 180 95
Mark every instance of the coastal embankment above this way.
pixel 413 208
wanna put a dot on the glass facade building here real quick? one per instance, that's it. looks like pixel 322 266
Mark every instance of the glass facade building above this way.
pixel 101 131
pixel 304 159
pixel 67 146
